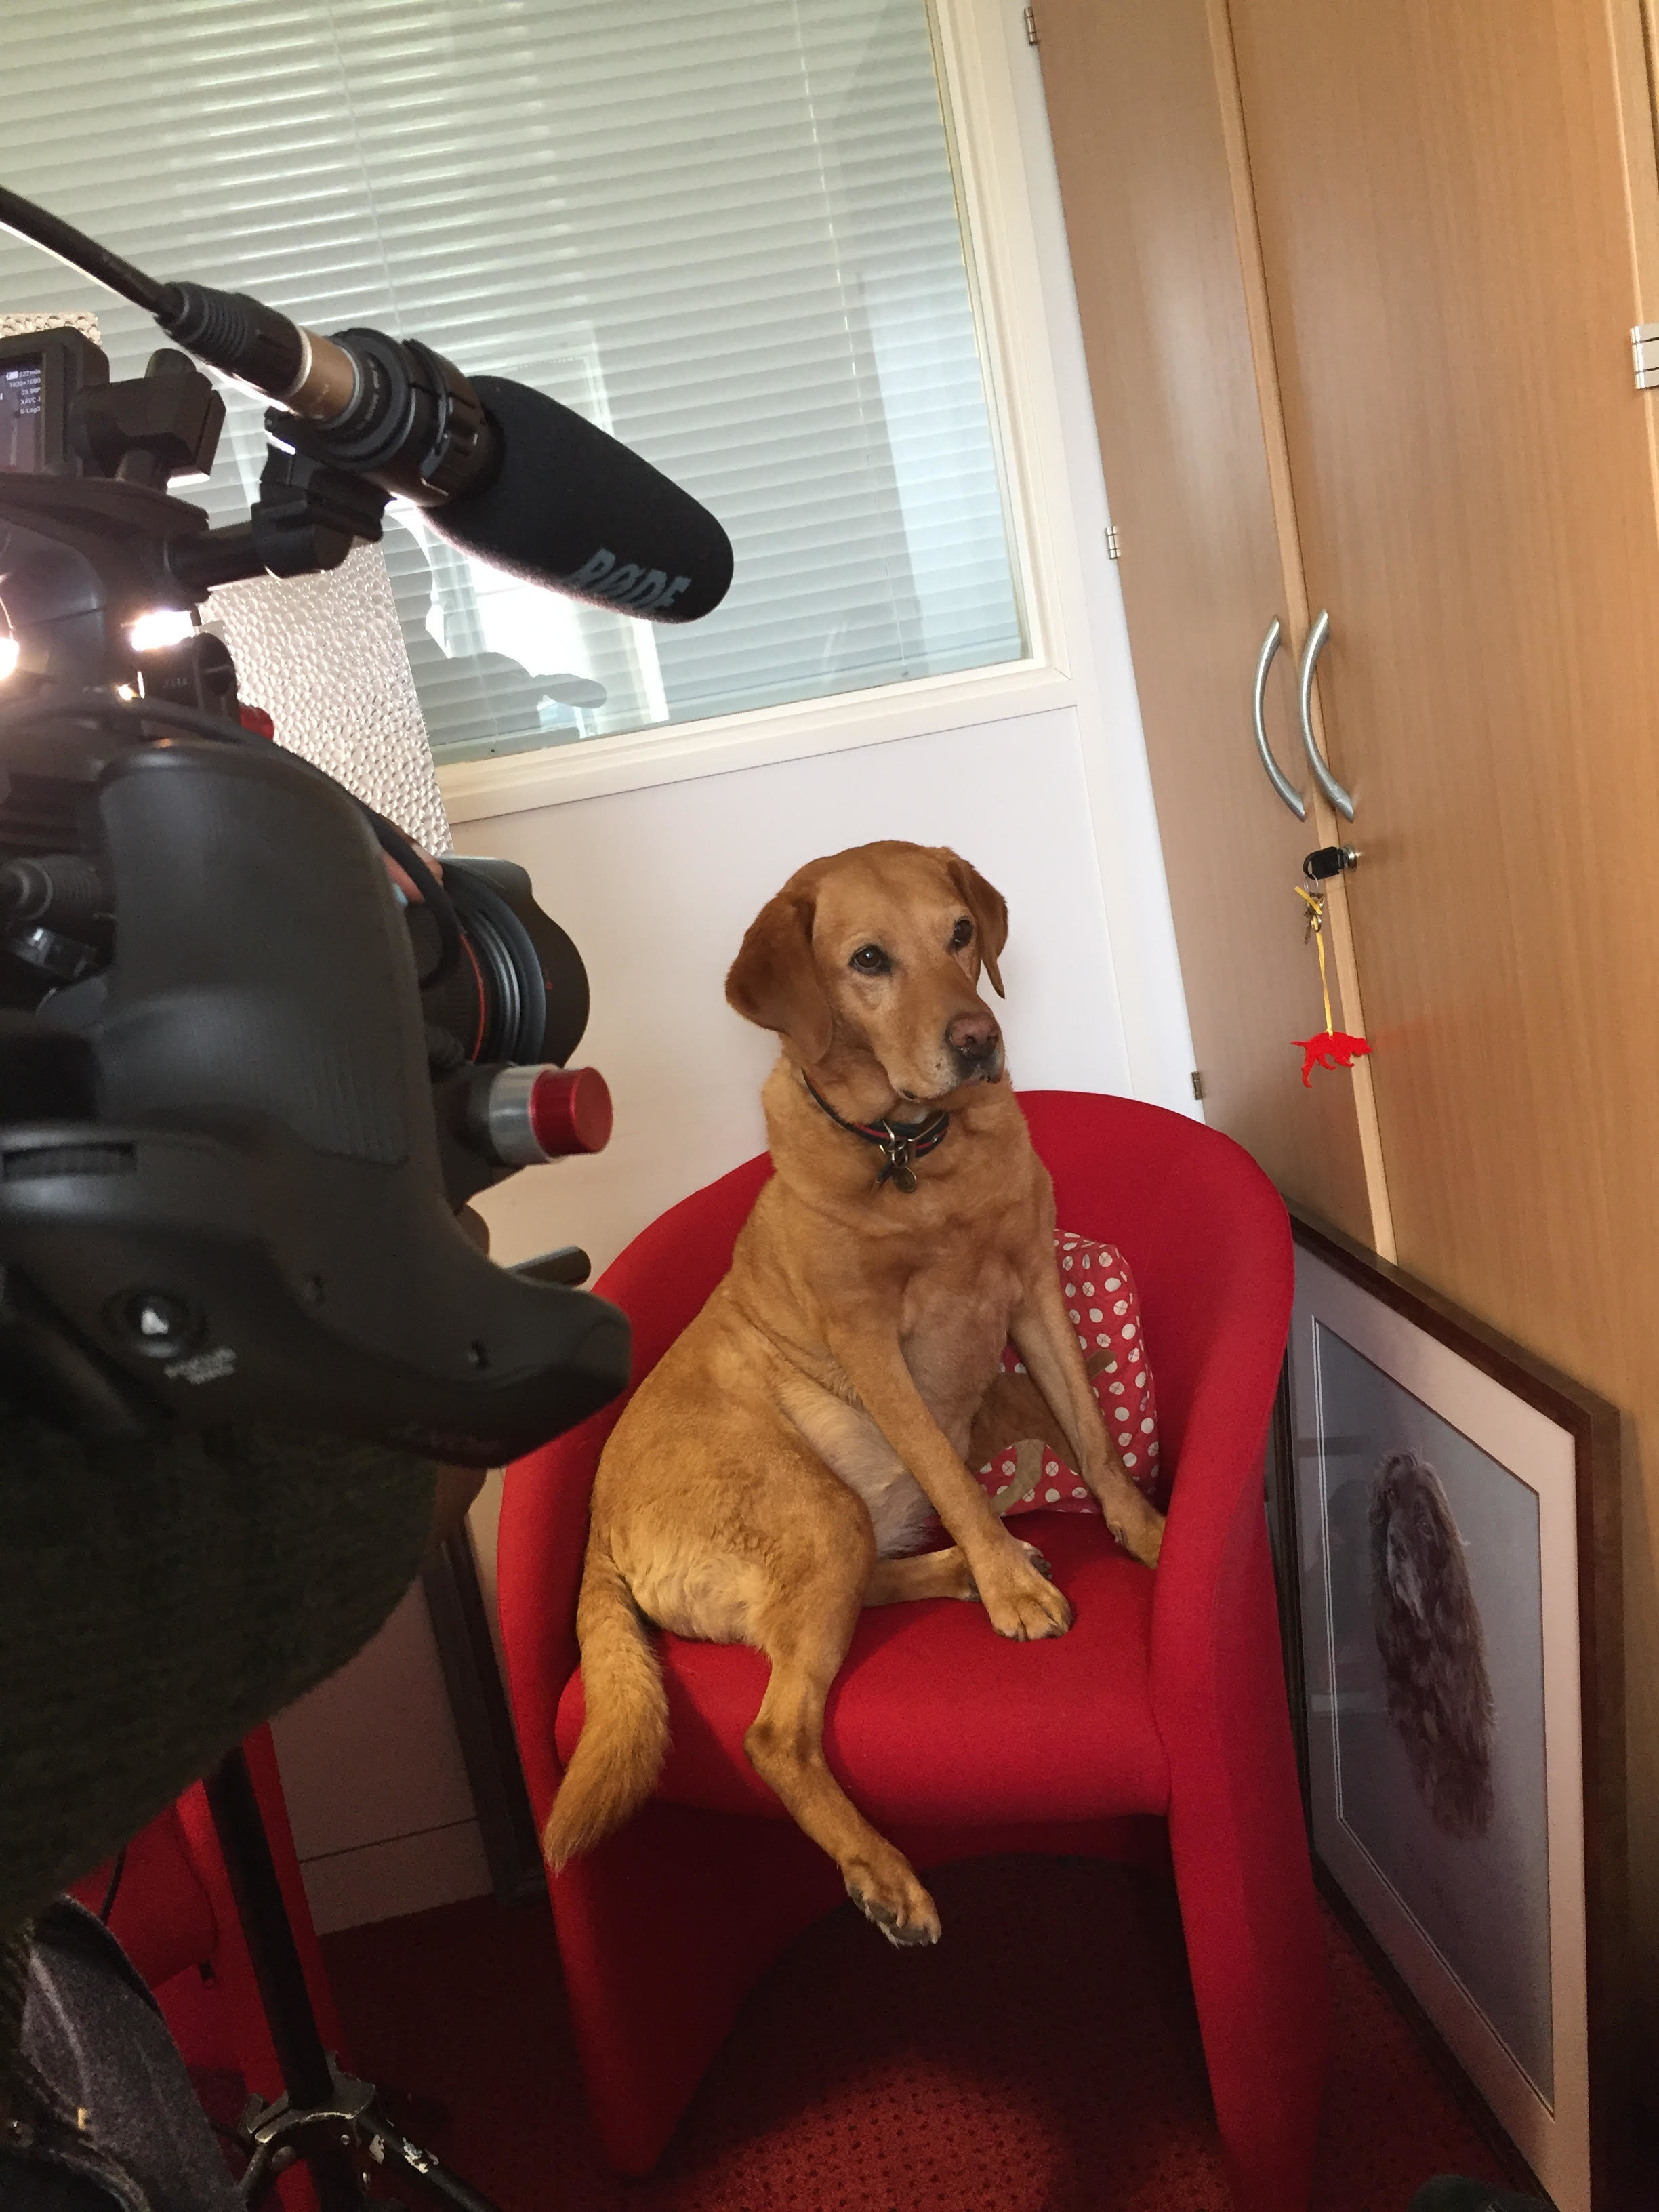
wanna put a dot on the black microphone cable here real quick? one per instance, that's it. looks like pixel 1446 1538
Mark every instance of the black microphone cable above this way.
pixel 243 338
pixel 81 252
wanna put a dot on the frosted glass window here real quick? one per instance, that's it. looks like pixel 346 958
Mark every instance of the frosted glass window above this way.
pixel 728 232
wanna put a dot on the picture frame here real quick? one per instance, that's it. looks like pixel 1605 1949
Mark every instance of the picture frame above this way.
pixel 1445 1509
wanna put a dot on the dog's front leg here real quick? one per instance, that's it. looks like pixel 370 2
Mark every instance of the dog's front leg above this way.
pixel 1043 1337
pixel 1018 1600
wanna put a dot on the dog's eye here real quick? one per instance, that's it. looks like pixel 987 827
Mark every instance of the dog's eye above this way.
pixel 870 960
pixel 962 935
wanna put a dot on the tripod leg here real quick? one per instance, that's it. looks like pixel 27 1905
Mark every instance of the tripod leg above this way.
pixel 280 1978
pixel 323 2111
pixel 412 2164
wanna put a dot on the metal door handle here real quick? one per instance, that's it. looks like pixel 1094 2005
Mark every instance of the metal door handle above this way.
pixel 1328 783
pixel 1276 775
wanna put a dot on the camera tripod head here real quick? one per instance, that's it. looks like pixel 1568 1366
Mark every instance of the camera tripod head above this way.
pixel 92 542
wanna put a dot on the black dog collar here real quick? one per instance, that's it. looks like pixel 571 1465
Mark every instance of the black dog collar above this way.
pixel 898 1142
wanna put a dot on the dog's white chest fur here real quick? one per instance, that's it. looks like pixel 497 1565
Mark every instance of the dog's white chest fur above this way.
pixel 951 1345
pixel 952 1342
pixel 848 1442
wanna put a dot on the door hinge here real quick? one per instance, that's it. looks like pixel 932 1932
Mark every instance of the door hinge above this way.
pixel 1113 550
pixel 1644 352
pixel 1198 1085
pixel 1030 27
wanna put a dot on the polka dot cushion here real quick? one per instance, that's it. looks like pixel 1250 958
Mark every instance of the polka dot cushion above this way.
pixel 1105 1311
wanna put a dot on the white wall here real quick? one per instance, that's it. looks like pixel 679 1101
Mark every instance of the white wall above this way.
pixel 377 1793
pixel 656 859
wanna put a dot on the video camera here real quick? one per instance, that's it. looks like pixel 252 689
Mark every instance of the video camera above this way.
pixel 243 1090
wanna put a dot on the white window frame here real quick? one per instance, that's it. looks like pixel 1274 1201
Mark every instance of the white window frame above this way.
pixel 982 123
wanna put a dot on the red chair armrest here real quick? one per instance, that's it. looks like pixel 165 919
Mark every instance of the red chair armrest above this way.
pixel 1217 1676
pixel 1218 1499
pixel 1218 1503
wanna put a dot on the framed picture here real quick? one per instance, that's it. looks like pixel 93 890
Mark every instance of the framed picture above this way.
pixel 1446 1521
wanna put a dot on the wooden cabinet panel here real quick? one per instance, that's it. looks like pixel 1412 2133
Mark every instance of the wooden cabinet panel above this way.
pixel 1144 170
pixel 1442 210
pixel 1446 223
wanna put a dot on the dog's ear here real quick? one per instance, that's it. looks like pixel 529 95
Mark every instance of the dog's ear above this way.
pixel 990 912
pixel 773 981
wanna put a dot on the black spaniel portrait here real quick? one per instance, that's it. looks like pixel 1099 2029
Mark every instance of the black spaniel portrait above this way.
pixel 1434 1655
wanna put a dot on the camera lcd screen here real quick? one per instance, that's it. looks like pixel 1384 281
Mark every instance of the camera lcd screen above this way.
pixel 22 419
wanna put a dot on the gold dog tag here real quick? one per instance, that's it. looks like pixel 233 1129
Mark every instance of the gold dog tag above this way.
pixel 903 1177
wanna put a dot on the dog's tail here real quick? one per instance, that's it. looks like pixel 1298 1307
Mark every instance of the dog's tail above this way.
pixel 624 1738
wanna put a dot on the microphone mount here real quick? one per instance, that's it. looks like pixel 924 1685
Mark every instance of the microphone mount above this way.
pixel 414 425
pixel 391 409
pixel 306 518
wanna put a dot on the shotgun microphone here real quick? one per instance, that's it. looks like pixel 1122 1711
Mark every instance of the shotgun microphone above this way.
pixel 503 472
pixel 572 507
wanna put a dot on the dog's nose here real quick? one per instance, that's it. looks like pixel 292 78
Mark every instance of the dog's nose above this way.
pixel 973 1038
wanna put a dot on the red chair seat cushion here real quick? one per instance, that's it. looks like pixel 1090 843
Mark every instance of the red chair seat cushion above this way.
pixel 934 1718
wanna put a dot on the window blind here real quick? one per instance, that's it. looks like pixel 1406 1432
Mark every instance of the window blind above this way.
pixel 726 230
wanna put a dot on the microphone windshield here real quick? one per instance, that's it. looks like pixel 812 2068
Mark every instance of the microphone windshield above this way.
pixel 571 508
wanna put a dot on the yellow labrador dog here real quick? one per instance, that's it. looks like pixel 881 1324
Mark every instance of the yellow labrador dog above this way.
pixel 775 1468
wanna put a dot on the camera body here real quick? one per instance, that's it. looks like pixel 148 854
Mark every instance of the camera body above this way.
pixel 243 1090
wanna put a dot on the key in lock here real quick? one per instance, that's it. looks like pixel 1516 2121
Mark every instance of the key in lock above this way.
pixel 1329 861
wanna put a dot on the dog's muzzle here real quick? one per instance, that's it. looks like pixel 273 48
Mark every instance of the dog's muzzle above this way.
pixel 974 1042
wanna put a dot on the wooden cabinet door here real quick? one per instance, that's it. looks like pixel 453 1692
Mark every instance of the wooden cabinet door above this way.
pixel 1140 140
pixel 1443 211
pixel 1445 190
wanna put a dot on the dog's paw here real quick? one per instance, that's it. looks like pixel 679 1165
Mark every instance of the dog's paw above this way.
pixel 1139 1529
pixel 892 1900
pixel 1023 1603
pixel 970 1590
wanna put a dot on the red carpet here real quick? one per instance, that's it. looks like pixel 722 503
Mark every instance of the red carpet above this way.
pixel 1044 2058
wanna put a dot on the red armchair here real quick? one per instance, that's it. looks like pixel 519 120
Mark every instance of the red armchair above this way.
pixel 1159 1723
